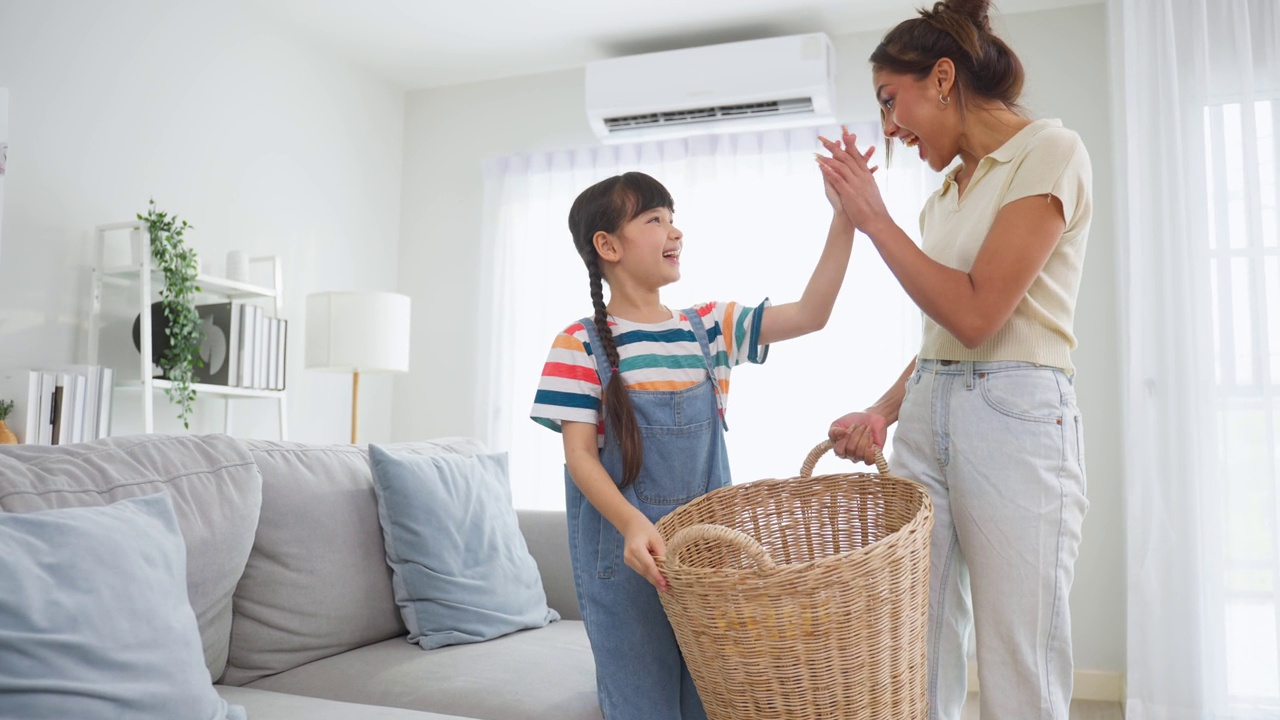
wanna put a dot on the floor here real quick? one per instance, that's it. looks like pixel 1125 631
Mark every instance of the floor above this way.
pixel 1080 710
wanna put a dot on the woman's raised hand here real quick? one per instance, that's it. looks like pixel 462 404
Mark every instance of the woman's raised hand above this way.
pixel 857 435
pixel 850 174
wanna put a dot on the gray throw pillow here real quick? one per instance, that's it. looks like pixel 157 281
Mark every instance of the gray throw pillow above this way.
pixel 94 617
pixel 461 570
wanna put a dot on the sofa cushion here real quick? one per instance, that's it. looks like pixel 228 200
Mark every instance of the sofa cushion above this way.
pixel 529 675
pixel 461 570
pixel 547 535
pixel 317 582
pixel 212 480
pixel 267 705
pixel 94 617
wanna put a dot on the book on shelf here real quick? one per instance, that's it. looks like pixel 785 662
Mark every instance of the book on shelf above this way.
pixel 268 368
pixel 48 391
pixel 273 335
pixel 58 405
pixel 80 408
pixel 263 352
pixel 63 402
pixel 217 350
pixel 247 346
pixel 283 355
pixel 242 346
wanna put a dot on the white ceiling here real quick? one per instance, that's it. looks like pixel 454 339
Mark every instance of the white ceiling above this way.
pixel 428 43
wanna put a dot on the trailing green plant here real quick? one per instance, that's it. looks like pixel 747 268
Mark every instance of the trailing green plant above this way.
pixel 6 407
pixel 178 263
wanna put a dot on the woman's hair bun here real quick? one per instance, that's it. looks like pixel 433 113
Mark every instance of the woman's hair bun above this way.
pixel 975 11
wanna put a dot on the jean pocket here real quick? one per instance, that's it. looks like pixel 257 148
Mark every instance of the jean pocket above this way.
pixel 677 463
pixel 607 550
pixel 1032 395
pixel 1084 475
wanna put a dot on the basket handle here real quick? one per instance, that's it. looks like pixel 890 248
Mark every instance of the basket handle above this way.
pixel 722 534
pixel 806 469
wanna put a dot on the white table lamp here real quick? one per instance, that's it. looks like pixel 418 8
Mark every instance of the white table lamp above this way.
pixel 355 332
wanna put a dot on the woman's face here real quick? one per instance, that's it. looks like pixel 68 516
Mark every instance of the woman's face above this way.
pixel 914 114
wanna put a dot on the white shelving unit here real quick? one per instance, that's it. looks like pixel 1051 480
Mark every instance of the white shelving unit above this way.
pixel 143 278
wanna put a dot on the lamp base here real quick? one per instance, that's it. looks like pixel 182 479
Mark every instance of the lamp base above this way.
pixel 355 404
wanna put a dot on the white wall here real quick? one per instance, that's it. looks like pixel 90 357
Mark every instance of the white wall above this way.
pixel 448 131
pixel 262 143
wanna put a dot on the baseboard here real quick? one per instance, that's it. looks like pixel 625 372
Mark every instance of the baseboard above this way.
pixel 1088 684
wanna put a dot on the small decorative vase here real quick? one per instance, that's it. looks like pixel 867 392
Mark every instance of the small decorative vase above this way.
pixel 237 266
pixel 6 435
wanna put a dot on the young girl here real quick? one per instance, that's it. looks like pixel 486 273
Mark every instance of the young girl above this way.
pixel 638 392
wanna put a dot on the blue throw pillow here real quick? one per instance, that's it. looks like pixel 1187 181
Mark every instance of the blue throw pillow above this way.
pixel 460 567
pixel 94 617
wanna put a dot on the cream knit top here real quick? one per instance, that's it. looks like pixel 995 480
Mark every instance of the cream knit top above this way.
pixel 1043 158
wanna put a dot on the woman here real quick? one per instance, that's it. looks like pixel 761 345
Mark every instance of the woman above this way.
pixel 987 413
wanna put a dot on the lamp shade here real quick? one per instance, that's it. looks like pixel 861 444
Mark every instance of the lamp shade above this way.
pixel 363 332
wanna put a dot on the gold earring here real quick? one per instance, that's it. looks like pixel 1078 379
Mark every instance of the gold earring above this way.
pixel 944 100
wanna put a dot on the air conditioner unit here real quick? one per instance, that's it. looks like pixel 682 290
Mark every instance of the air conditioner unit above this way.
pixel 752 85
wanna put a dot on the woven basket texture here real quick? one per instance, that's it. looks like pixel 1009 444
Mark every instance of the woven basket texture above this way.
pixel 804 597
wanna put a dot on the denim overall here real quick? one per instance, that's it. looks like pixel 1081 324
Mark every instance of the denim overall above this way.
pixel 640 673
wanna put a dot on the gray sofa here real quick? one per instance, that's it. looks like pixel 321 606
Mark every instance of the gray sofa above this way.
pixel 290 586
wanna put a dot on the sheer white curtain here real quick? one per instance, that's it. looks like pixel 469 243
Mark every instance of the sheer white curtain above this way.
pixel 754 217
pixel 1200 261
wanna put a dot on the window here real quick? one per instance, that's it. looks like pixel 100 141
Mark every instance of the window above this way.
pixel 1244 277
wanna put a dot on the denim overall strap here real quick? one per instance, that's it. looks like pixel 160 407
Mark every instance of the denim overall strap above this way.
pixel 700 332
pixel 603 369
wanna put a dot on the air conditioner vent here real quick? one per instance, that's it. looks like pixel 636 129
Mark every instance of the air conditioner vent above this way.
pixel 708 114
pixel 746 86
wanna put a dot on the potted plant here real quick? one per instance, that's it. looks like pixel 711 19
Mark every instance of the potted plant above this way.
pixel 177 297
pixel 6 435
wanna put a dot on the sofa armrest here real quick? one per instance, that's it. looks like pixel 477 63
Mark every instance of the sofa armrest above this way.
pixel 547 536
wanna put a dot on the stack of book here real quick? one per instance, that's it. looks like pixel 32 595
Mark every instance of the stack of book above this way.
pixel 60 405
pixel 243 346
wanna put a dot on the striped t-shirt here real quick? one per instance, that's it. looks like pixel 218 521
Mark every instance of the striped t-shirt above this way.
pixel 662 356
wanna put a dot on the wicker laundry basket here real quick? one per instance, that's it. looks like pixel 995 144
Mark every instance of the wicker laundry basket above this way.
pixel 805 597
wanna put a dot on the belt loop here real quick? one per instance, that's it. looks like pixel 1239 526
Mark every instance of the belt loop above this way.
pixel 968 374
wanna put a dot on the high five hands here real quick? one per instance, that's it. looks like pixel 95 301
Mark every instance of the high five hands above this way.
pixel 849 174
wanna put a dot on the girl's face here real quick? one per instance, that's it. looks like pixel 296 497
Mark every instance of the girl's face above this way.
pixel 651 246
pixel 914 114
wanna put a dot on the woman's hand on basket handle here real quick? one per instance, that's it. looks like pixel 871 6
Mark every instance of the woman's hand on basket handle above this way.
pixel 857 434
pixel 641 544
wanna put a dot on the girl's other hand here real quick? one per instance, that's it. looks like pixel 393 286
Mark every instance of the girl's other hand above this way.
pixel 641 544
pixel 857 435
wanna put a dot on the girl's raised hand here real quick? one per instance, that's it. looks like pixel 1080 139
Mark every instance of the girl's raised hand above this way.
pixel 850 175
pixel 833 196
pixel 641 544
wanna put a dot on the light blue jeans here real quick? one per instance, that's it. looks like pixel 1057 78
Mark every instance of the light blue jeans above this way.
pixel 1000 448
